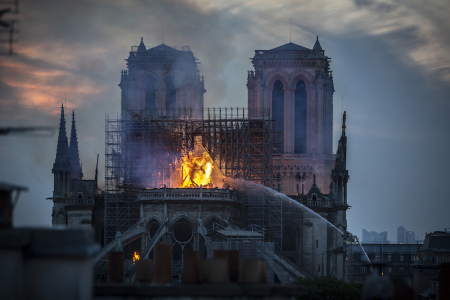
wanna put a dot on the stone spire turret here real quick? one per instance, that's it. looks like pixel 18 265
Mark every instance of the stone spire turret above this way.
pixel 73 152
pixel 339 175
pixel 141 47
pixel 314 188
pixel 61 167
pixel 317 45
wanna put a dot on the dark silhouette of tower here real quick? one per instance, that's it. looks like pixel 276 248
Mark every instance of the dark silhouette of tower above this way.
pixel 73 152
pixel 62 166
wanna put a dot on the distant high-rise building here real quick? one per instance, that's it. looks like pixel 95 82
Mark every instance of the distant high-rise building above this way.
pixel 405 236
pixel 374 236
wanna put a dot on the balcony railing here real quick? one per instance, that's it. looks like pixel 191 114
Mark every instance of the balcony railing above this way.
pixel 187 194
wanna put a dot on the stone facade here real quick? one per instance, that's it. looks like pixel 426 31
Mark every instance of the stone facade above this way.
pixel 295 84
pixel 161 79
pixel 187 213
pixel 397 259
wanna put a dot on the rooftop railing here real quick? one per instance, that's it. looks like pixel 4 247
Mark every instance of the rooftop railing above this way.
pixel 187 194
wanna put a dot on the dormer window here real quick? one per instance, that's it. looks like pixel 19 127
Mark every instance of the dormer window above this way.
pixel 314 198
pixel 80 197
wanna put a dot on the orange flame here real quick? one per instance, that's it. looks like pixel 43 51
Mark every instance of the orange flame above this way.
pixel 136 257
pixel 196 171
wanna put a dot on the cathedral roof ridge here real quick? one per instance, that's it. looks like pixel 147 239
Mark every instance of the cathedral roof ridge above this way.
pixel 163 47
pixel 290 47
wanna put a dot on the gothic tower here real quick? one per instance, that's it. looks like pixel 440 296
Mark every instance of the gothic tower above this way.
pixel 295 85
pixel 73 152
pixel 61 172
pixel 161 80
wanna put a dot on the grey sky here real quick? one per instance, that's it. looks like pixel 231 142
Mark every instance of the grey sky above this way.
pixel 390 64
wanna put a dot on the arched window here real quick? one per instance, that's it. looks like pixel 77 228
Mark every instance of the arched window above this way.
pixel 300 118
pixel 171 95
pixel 152 228
pixel 150 94
pixel 182 232
pixel 289 238
pixel 177 251
pixel 278 105
pixel 61 219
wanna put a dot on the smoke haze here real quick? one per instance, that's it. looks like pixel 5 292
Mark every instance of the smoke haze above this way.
pixel 390 65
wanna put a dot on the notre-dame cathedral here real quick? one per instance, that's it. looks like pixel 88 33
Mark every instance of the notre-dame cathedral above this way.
pixel 290 93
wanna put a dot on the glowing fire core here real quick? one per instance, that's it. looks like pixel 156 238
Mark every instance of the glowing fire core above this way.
pixel 196 170
pixel 136 257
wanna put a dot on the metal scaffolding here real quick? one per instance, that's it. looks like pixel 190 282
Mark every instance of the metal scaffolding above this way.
pixel 140 152
pixel 243 148
pixel 143 151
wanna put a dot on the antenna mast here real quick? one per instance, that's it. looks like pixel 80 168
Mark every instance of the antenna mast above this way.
pixel 290 29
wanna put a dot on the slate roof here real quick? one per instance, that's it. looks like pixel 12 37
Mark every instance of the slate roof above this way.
pixel 290 46
pixel 437 240
pixel 165 48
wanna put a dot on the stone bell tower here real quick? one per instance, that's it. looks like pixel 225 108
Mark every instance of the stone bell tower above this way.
pixel 295 85
pixel 161 81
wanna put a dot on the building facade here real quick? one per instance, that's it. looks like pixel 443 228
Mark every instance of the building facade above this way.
pixel 295 84
pixel 162 115
pixel 161 79
pixel 395 258
pixel 430 259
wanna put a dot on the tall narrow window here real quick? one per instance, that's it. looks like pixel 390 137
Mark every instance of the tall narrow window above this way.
pixel 150 95
pixel 278 105
pixel 171 96
pixel 300 118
